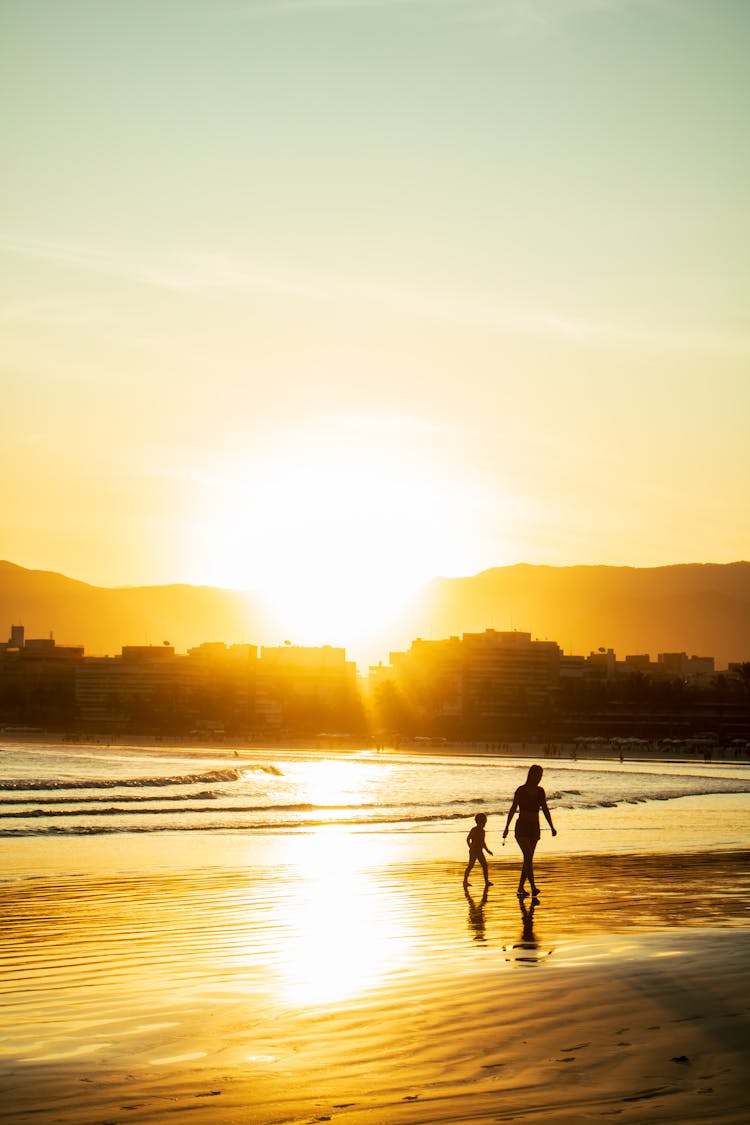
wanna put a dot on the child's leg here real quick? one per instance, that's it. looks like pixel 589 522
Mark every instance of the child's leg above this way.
pixel 469 867
pixel 485 869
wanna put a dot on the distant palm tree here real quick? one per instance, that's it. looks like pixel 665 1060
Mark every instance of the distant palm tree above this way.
pixel 742 673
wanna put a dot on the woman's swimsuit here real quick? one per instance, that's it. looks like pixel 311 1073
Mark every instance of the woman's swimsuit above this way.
pixel 530 799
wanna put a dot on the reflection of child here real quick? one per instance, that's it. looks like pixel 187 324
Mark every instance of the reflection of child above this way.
pixel 477 848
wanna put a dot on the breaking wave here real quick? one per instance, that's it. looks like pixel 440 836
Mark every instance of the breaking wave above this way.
pixel 308 792
pixel 209 777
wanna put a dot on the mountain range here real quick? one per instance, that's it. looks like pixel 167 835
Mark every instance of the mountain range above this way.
pixel 699 608
pixel 702 609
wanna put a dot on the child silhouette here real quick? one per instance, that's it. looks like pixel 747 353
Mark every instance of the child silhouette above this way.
pixel 477 848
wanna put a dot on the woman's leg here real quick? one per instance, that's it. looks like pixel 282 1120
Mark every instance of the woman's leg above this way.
pixel 522 877
pixel 529 861
pixel 527 870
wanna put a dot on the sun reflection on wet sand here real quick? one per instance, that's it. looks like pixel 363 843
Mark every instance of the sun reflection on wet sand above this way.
pixel 341 938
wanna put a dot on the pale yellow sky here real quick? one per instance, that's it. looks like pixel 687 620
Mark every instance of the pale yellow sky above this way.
pixel 370 292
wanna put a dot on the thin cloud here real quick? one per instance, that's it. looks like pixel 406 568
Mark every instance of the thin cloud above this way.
pixel 285 7
pixel 205 274
pixel 64 311
pixel 81 258
pixel 516 15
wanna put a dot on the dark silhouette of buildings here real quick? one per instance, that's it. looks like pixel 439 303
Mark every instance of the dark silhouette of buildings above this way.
pixel 491 686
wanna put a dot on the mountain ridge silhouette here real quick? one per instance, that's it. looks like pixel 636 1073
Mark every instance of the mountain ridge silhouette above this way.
pixel 699 608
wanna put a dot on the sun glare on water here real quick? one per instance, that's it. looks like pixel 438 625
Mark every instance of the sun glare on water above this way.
pixel 340 924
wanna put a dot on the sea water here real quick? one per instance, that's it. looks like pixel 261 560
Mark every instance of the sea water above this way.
pixel 64 790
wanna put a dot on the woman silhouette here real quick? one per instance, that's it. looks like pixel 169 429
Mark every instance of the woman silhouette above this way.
pixel 528 799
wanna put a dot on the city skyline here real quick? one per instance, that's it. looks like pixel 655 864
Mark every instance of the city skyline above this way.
pixel 325 299
pixel 18 640
pixel 489 684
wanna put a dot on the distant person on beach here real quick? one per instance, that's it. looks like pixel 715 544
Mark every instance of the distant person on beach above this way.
pixel 477 848
pixel 528 799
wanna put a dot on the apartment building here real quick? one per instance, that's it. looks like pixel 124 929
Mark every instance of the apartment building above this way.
pixel 310 688
pixel 143 685
pixel 477 675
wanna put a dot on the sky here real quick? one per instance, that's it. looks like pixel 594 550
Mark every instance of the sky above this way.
pixel 324 298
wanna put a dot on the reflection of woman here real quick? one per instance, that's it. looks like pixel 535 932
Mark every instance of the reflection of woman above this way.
pixel 528 799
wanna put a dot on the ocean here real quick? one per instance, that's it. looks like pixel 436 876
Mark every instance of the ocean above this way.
pixel 65 790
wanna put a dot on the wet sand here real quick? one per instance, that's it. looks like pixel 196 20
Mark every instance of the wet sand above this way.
pixel 331 984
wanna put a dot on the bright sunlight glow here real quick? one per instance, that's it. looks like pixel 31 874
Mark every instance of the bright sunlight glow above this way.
pixel 335 543
pixel 332 783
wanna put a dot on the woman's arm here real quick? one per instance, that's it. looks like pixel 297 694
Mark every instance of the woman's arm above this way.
pixel 546 812
pixel 511 814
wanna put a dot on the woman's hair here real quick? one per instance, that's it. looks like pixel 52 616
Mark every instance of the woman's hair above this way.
pixel 534 775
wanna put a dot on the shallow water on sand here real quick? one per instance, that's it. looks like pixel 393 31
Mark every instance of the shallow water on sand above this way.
pixel 101 966
pixel 340 973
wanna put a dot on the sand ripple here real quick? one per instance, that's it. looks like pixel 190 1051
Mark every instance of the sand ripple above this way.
pixel 358 993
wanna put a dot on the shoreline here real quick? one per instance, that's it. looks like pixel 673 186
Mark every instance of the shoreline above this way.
pixel 548 752
pixel 693 829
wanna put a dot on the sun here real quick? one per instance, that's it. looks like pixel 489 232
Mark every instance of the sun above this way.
pixel 342 549
pixel 335 544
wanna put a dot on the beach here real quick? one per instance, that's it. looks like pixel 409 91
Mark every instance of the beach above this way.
pixel 288 994
pixel 343 974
